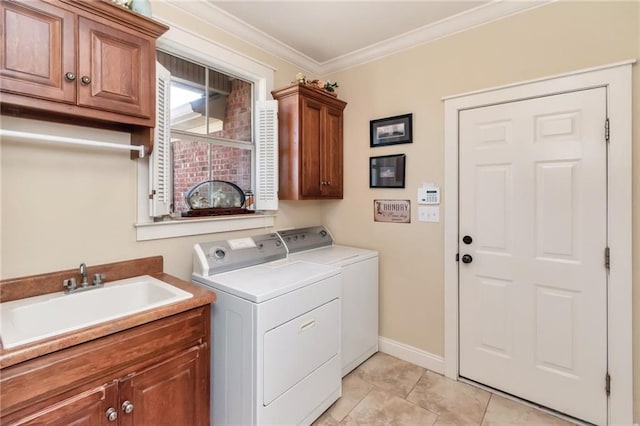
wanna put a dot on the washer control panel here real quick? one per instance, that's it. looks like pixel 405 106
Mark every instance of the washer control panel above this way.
pixel 226 255
pixel 301 239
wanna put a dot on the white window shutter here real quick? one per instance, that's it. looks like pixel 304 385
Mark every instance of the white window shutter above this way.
pixel 266 191
pixel 160 161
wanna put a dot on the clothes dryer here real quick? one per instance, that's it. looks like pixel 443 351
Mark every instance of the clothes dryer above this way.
pixel 359 288
pixel 275 332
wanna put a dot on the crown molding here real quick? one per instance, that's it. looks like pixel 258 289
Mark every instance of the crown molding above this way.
pixel 224 21
pixel 471 18
pixel 466 20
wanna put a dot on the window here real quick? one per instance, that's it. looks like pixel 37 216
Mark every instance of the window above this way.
pixel 210 128
pixel 218 125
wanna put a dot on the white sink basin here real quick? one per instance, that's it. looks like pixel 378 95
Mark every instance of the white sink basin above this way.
pixel 35 318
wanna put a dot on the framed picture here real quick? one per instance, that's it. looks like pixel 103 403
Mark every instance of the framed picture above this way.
pixel 391 131
pixel 387 171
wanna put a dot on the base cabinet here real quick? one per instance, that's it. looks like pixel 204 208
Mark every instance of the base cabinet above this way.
pixel 164 393
pixel 86 408
pixel 155 374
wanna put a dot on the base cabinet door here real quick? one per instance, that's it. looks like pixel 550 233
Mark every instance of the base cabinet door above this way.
pixel 90 408
pixel 172 392
pixel 168 393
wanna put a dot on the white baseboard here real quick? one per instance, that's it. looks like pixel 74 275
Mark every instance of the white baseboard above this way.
pixel 413 355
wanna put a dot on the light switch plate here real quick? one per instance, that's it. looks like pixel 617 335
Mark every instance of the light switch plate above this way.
pixel 429 213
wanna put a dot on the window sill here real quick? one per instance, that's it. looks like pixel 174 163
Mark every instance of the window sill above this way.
pixel 209 225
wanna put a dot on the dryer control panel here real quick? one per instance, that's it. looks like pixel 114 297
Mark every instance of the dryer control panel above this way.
pixel 226 255
pixel 301 239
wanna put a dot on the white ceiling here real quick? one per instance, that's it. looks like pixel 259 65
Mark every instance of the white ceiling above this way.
pixel 325 30
pixel 322 37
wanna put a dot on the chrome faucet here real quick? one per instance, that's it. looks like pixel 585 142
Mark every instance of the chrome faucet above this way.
pixel 72 286
pixel 83 272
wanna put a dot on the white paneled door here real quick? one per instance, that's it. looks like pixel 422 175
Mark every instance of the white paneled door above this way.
pixel 533 233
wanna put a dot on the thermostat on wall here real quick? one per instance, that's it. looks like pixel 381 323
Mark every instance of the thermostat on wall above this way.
pixel 429 195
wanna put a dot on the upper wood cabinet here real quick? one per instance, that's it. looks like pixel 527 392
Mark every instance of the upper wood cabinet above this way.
pixel 37 49
pixel 116 70
pixel 310 143
pixel 66 59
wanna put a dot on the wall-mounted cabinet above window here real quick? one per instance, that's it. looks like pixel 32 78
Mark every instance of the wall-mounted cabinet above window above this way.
pixel 72 59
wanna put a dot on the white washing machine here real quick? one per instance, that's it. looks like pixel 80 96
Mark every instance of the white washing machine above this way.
pixel 359 288
pixel 275 332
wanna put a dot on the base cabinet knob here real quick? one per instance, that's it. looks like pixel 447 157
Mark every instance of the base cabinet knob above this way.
pixel 127 407
pixel 111 414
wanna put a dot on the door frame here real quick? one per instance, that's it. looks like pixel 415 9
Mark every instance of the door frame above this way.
pixel 618 81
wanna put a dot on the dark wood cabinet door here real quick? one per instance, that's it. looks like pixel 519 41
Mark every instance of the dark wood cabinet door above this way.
pixel 168 393
pixel 312 134
pixel 88 408
pixel 310 143
pixel 115 69
pixel 38 49
pixel 331 154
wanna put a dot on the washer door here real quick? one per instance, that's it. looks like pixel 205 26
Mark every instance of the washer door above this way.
pixel 296 348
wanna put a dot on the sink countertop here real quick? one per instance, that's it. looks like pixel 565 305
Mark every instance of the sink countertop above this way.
pixel 48 283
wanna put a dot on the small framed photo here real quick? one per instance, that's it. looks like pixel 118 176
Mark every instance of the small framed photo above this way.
pixel 391 130
pixel 387 171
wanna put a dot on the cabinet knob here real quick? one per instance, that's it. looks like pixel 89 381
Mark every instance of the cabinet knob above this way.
pixel 70 76
pixel 127 407
pixel 85 79
pixel 111 414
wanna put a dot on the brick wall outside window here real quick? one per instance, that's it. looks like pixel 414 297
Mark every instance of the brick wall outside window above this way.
pixel 195 162
pixel 237 121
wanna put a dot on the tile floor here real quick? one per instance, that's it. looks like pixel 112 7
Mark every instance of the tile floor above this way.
pixel 385 390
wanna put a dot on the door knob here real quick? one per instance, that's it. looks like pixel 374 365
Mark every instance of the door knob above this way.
pixel 70 76
pixel 85 79
pixel 467 239
pixel 467 258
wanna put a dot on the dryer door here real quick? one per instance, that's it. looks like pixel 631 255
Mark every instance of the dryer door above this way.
pixel 298 347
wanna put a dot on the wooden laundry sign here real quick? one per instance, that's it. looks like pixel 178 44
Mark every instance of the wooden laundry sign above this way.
pixel 397 211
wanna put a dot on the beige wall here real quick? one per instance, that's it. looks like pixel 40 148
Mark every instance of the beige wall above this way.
pixel 553 39
pixel 636 224
pixel 61 206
